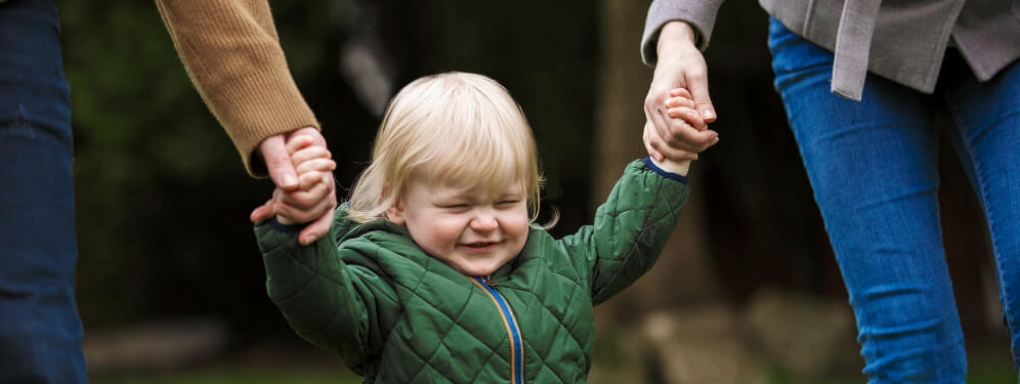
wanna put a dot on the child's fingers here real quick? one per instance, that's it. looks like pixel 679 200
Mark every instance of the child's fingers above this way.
pixel 681 92
pixel 297 142
pixel 652 143
pixel 694 120
pixel 318 186
pixel 683 137
pixel 316 165
pixel 675 102
pixel 263 212
pixel 687 116
pixel 309 179
pixel 317 228
pixel 688 139
pixel 305 206
pixel 308 153
pixel 668 152
pixel 660 150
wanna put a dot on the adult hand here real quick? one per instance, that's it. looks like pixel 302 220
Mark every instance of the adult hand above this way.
pixel 281 170
pixel 679 65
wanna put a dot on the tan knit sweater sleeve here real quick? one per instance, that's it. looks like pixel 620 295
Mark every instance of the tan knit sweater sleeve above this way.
pixel 232 54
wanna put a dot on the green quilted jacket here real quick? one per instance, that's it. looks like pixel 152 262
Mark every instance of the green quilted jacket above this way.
pixel 396 315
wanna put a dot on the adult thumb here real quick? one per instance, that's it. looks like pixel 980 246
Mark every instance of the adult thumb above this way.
pixel 281 169
pixel 702 101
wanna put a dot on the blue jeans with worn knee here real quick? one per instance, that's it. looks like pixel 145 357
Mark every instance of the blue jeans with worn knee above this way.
pixel 40 331
pixel 873 167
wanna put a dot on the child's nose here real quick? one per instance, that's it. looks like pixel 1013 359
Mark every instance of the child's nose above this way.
pixel 484 221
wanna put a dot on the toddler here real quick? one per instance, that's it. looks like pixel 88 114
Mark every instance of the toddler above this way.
pixel 435 270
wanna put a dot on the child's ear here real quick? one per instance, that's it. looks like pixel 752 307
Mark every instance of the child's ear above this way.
pixel 395 213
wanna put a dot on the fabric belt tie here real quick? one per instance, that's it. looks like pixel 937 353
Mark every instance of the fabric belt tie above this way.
pixel 853 45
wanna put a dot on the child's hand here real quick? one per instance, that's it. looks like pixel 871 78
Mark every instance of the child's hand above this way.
pixel 313 196
pixel 680 108
pixel 671 135
pixel 679 167
pixel 680 105
pixel 313 166
pixel 671 143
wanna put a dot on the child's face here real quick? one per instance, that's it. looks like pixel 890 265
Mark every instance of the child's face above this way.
pixel 471 232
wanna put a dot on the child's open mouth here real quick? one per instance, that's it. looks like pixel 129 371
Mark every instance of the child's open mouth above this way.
pixel 480 247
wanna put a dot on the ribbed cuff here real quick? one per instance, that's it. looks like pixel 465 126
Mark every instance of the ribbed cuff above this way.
pixel 664 173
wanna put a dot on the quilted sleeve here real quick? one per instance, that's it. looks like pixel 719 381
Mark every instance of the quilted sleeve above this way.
pixel 630 229
pixel 329 302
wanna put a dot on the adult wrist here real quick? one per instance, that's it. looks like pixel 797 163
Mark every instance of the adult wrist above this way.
pixel 673 36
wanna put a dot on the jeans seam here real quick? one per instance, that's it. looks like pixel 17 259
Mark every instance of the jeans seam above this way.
pixel 1004 287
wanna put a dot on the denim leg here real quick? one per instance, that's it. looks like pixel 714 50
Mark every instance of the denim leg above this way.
pixel 873 167
pixel 40 331
pixel 986 126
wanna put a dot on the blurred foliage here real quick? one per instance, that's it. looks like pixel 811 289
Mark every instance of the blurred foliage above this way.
pixel 162 195
pixel 546 54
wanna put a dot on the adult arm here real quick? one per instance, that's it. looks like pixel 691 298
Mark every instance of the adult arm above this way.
pixel 675 33
pixel 232 53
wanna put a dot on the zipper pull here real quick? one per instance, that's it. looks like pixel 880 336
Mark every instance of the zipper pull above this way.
pixel 488 280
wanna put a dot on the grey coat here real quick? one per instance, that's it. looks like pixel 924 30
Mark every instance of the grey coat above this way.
pixel 902 40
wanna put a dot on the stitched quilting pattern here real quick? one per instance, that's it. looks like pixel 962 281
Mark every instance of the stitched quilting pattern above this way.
pixel 397 315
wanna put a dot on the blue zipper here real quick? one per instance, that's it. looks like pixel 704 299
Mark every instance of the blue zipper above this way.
pixel 516 345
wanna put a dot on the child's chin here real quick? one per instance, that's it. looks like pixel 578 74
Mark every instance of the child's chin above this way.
pixel 478 271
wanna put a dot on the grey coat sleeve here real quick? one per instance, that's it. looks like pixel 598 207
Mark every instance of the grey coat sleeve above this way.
pixel 700 14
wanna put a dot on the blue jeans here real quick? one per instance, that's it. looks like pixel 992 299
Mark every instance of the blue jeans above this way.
pixel 40 332
pixel 873 168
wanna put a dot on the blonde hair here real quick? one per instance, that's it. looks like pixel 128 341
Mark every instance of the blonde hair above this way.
pixel 452 127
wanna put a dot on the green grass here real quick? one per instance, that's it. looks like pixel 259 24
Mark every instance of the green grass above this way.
pixel 974 379
pixel 997 375
pixel 233 377
pixel 989 369
pixel 994 374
